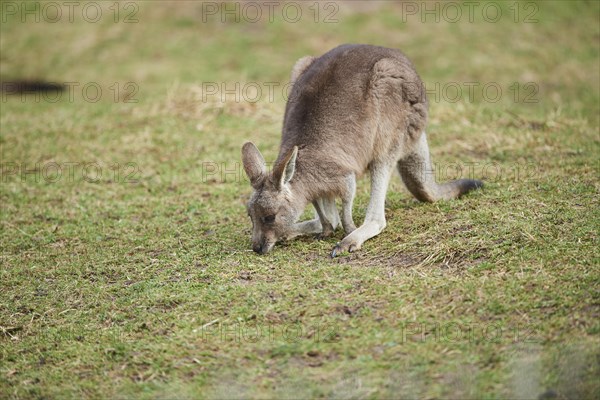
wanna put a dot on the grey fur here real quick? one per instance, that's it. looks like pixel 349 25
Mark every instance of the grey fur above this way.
pixel 355 109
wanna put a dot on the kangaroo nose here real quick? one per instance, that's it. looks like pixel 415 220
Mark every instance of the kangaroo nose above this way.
pixel 261 248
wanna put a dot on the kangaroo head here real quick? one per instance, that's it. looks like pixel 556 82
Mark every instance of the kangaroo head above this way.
pixel 273 207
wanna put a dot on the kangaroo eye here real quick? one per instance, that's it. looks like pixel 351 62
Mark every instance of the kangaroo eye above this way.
pixel 269 219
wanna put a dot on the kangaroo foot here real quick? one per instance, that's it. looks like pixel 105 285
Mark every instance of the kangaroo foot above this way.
pixel 345 245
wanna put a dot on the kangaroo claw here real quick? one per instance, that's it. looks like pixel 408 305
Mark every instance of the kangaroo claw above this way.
pixel 336 250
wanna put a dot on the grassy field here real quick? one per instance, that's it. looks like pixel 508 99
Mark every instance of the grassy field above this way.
pixel 126 268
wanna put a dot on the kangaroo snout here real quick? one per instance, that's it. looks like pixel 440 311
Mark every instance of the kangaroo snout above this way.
pixel 263 240
pixel 262 247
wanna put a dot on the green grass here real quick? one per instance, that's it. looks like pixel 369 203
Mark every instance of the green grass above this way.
pixel 141 283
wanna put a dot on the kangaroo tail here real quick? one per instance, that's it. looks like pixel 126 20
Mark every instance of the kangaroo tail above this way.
pixel 418 176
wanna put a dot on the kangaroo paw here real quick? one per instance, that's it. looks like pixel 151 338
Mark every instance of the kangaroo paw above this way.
pixel 343 246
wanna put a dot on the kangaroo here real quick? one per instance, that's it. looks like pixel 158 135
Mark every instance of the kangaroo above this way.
pixel 357 108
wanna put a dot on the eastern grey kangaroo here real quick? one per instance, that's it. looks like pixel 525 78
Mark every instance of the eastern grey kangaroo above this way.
pixel 356 108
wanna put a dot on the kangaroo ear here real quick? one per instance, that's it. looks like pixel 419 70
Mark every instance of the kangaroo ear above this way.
pixel 300 67
pixel 284 171
pixel 254 164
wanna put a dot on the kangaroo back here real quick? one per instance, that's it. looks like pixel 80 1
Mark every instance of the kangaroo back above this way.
pixel 344 103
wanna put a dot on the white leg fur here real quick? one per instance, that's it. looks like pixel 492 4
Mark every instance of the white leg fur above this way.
pixel 375 217
pixel 328 215
pixel 332 212
pixel 347 201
